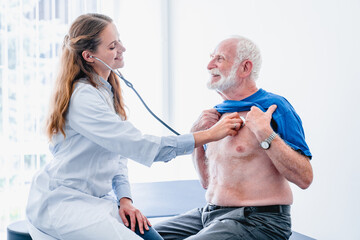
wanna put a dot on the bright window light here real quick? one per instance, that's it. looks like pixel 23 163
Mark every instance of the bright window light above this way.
pixel 31 35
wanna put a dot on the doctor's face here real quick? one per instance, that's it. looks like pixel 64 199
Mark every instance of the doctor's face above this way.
pixel 110 50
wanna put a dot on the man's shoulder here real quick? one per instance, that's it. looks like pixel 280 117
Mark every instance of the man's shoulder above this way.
pixel 271 98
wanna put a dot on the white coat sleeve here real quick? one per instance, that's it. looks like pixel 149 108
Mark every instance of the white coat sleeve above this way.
pixel 120 182
pixel 91 116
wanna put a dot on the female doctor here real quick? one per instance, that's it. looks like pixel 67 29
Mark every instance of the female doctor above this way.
pixel 91 141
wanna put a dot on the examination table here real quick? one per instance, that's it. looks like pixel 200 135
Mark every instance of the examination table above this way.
pixel 156 200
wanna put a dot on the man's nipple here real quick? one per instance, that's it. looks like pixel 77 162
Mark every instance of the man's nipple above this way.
pixel 240 149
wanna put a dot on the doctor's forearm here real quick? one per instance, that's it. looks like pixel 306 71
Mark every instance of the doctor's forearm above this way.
pixel 201 138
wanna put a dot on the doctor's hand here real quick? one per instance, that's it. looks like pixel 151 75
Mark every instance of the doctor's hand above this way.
pixel 206 120
pixel 227 126
pixel 134 214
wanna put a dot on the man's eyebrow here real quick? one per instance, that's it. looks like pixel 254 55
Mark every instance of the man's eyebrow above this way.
pixel 217 55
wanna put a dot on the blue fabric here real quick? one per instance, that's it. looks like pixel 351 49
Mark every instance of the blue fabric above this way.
pixel 150 234
pixel 285 122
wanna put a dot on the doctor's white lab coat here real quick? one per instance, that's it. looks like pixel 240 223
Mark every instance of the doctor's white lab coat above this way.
pixel 67 197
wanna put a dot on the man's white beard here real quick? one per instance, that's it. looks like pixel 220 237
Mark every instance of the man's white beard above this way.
pixel 225 82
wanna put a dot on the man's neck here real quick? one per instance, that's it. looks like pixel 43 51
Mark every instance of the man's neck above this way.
pixel 238 92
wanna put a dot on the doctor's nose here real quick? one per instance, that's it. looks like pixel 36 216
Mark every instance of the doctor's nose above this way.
pixel 121 48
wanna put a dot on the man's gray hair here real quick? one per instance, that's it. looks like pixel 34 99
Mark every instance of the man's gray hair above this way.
pixel 247 49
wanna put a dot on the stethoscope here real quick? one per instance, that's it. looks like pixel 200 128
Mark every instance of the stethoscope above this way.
pixel 130 85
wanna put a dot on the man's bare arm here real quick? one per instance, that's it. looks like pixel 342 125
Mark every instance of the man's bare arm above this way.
pixel 206 120
pixel 294 166
pixel 199 161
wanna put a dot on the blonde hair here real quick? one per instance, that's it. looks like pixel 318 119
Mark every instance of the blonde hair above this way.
pixel 84 34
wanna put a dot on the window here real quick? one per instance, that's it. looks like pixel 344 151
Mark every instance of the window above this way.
pixel 31 34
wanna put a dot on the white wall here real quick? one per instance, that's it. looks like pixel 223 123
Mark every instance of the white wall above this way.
pixel 311 55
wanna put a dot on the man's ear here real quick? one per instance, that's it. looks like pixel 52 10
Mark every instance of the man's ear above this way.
pixel 87 56
pixel 245 68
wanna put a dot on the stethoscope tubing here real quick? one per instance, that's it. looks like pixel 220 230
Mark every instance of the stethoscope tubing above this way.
pixel 130 85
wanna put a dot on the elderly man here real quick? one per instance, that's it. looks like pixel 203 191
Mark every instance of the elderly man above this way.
pixel 246 176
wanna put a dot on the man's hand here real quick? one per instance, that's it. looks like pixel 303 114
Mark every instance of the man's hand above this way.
pixel 207 119
pixel 134 214
pixel 258 121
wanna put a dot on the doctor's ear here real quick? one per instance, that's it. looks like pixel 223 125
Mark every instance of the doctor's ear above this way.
pixel 87 56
